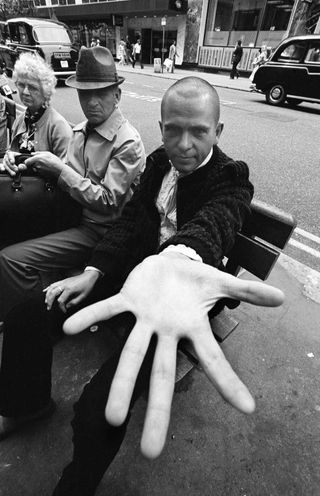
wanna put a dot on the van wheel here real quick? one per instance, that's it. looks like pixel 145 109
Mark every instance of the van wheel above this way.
pixel 276 95
pixel 293 101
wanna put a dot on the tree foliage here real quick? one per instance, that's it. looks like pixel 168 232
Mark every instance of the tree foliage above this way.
pixel 16 8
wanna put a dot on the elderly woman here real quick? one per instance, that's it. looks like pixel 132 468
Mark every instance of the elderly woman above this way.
pixel 40 127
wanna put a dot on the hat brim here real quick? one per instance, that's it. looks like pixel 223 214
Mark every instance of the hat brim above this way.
pixel 91 85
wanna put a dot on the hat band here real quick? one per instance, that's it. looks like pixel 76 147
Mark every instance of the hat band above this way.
pixel 112 78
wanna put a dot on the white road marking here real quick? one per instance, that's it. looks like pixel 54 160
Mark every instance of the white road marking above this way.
pixel 308 235
pixel 307 249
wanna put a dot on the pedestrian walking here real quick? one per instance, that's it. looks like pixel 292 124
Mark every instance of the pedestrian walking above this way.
pixel 137 54
pixel 172 55
pixel 236 57
pixel 122 53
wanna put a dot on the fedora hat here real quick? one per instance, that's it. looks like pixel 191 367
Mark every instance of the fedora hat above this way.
pixel 95 69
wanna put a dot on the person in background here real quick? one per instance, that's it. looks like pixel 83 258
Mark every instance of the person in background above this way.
pixel 259 60
pixel 3 128
pixel 104 162
pixel 136 54
pixel 236 57
pixel 122 53
pixel 172 55
pixel 40 127
pixel 128 48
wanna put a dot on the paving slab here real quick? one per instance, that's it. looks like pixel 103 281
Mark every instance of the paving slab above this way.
pixel 211 449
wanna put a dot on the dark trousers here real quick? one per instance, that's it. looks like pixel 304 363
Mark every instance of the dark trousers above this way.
pixel 137 58
pixel 25 387
pixel 234 71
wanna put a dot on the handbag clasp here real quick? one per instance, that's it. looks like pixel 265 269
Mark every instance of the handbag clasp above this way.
pixel 16 183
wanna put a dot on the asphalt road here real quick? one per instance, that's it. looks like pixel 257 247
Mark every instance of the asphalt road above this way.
pixel 281 146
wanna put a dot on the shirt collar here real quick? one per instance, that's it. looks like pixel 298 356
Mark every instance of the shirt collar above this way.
pixel 107 129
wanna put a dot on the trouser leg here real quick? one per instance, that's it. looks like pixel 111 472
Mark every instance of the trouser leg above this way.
pixel 26 268
pixel 96 442
pixel 25 374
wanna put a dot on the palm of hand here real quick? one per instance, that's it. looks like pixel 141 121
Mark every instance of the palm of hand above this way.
pixel 171 296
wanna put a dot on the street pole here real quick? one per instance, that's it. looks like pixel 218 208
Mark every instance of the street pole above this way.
pixel 163 24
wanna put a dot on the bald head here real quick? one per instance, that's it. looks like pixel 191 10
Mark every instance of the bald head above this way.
pixel 190 112
pixel 190 88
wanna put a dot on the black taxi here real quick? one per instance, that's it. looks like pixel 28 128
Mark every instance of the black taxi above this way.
pixel 51 39
pixel 292 73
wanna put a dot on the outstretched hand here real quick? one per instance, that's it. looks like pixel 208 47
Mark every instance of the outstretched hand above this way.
pixel 171 296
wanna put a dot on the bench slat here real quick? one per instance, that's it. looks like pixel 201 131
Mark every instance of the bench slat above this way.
pixel 270 224
pixel 253 256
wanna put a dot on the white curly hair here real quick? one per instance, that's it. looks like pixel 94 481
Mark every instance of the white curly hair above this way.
pixel 31 65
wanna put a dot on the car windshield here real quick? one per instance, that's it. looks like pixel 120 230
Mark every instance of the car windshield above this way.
pixel 54 34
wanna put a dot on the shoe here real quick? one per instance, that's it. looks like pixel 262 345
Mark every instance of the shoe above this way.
pixel 10 425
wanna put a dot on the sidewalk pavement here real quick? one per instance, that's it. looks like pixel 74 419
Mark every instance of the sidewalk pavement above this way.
pixel 221 79
pixel 212 450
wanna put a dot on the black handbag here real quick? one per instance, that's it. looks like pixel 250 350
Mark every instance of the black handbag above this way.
pixel 32 206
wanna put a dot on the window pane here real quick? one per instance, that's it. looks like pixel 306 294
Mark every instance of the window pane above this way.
pixel 313 54
pixel 277 15
pixel 51 35
pixel 293 52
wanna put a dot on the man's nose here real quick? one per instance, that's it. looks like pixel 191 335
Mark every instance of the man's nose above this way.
pixel 185 141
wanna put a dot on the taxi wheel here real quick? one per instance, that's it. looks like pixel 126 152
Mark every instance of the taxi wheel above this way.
pixel 276 94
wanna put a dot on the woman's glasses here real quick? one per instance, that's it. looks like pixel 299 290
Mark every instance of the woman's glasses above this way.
pixel 31 87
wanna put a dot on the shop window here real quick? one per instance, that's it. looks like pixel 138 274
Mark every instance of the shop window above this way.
pixel 293 52
pixel 219 15
pixel 277 15
pixel 246 20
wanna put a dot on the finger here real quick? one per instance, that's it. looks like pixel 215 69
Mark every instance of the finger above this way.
pixel 75 300
pixel 125 377
pixel 220 372
pixel 254 292
pixel 160 398
pixel 52 292
pixel 103 310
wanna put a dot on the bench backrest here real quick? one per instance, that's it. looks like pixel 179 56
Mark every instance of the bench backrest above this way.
pixel 264 234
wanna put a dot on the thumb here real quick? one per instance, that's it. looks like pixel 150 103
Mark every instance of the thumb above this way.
pixel 254 292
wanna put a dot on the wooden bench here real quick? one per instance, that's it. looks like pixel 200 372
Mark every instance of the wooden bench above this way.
pixel 264 235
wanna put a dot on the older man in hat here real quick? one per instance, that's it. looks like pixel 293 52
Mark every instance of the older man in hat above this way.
pixel 104 161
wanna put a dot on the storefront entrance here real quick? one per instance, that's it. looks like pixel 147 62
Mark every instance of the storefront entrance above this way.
pixel 151 41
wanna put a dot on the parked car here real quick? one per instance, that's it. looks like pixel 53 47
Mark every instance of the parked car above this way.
pixel 51 39
pixel 292 73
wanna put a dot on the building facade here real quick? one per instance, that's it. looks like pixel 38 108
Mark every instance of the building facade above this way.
pixel 155 22
pixel 255 23
pixel 205 31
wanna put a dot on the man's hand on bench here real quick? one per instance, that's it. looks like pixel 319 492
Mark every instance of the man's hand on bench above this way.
pixel 171 296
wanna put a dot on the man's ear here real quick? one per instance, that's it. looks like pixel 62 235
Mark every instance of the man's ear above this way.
pixel 161 128
pixel 117 95
pixel 219 129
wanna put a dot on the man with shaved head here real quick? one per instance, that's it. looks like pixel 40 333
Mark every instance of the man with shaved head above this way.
pixel 164 256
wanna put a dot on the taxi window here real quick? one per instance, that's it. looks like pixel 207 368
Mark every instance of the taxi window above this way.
pixel 293 52
pixel 313 54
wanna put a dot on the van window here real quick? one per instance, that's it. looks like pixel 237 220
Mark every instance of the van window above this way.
pixel 293 52
pixel 23 35
pixel 313 54
pixel 54 34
